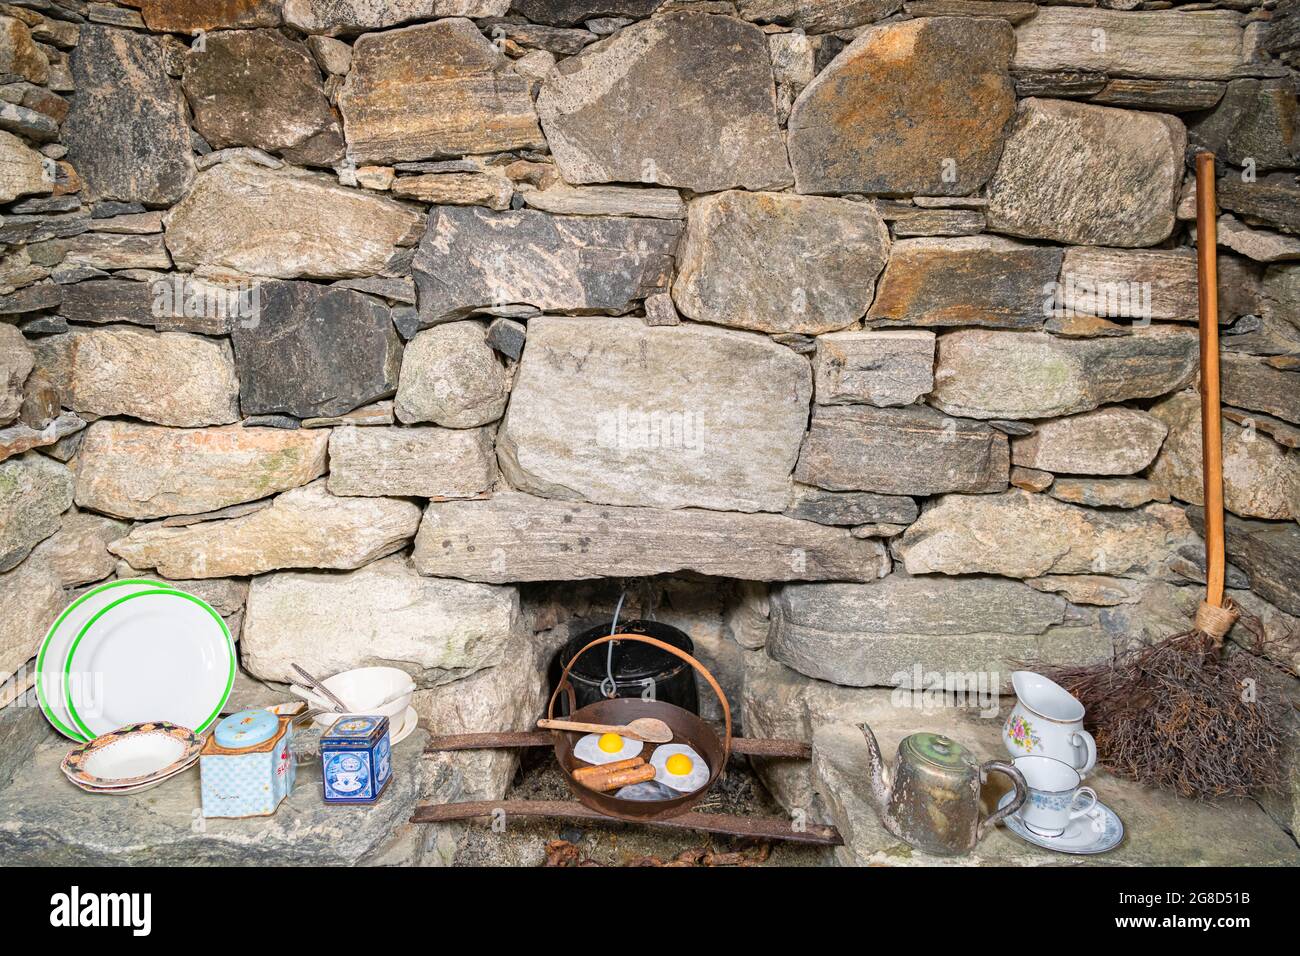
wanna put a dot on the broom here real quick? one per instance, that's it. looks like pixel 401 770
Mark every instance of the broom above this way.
pixel 1188 714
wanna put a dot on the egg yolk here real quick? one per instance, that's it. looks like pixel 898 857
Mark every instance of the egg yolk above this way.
pixel 610 743
pixel 679 765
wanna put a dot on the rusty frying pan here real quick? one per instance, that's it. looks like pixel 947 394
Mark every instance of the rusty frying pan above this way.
pixel 687 728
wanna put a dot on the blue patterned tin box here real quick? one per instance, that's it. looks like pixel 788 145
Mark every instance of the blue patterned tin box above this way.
pixel 247 766
pixel 356 759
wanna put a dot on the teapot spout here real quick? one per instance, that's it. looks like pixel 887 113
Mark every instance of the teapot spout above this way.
pixel 879 781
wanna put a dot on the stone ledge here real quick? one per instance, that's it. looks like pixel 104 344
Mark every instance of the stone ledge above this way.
pixel 1159 829
pixel 45 820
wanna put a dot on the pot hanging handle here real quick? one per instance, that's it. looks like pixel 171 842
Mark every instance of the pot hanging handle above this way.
pixel 653 642
pixel 1014 804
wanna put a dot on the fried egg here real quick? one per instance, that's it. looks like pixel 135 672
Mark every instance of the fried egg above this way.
pixel 679 767
pixel 606 748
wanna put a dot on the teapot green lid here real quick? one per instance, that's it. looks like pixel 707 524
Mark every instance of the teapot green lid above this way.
pixel 939 751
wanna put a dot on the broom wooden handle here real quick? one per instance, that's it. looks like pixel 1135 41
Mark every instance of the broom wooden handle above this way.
pixel 1211 421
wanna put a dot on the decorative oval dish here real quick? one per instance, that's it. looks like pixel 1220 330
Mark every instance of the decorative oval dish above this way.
pixel 132 756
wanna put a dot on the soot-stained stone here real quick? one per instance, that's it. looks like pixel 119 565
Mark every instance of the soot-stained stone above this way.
pixel 315 351
pixel 256 88
pixel 127 132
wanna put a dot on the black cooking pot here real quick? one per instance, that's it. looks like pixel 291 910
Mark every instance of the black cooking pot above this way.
pixel 639 670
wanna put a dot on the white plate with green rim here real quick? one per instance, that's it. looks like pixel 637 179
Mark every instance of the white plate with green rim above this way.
pixel 53 653
pixel 152 655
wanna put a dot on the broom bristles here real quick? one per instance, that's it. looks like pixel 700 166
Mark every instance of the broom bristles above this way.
pixel 1185 715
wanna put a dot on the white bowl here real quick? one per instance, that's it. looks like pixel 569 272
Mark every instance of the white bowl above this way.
pixel 363 689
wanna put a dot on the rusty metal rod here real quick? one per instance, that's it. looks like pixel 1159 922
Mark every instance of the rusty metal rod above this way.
pixel 750 746
pixel 724 824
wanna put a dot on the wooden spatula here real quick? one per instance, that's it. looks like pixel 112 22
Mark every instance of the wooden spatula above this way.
pixel 649 729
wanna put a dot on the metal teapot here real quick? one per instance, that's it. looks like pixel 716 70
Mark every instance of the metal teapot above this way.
pixel 930 799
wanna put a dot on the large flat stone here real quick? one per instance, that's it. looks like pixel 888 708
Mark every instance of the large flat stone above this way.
pixel 187 16
pixel 1022 535
pixel 876 634
pixel 775 262
pixel 1261 479
pixel 870 122
pixel 1152 284
pixel 615 412
pixel 436 89
pixel 982 281
pixel 1155 44
pixel 118 74
pixel 338 17
pixel 257 88
pixel 889 367
pixel 1092 175
pixel 144 471
pixel 516 537
pixel 901 451
pixel 304 528
pixel 382 614
pixel 169 378
pixel 471 259
pixel 451 377
pixel 630 109
pixel 315 351
pixel 422 462
pixel 34 493
pixel 818 16
pixel 1108 441
pixel 285 224
pixel 1002 374
pixel 567 13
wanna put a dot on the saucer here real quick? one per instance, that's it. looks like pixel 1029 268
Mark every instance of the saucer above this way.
pixel 1096 831
pixel 403 730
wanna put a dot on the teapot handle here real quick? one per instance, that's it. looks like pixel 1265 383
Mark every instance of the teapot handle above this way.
pixel 1017 781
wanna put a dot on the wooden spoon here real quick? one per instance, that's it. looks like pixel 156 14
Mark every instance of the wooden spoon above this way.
pixel 650 729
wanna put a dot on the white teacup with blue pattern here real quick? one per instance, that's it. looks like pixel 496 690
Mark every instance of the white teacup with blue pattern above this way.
pixel 1054 795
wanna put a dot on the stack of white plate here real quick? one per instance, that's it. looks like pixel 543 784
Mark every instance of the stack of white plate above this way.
pixel 130 652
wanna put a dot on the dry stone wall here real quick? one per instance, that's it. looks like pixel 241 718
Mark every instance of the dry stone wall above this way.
pixel 360 314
